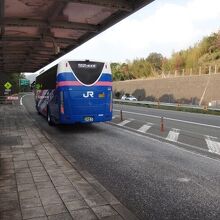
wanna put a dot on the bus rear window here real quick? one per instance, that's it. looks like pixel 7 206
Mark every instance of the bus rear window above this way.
pixel 87 72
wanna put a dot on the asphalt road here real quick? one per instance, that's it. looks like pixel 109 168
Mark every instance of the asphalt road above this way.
pixel 154 179
pixel 192 130
pixel 185 116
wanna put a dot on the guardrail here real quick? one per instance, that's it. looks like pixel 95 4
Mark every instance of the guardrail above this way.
pixel 8 99
pixel 173 105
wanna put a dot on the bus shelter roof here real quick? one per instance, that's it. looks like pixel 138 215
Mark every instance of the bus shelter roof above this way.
pixel 34 33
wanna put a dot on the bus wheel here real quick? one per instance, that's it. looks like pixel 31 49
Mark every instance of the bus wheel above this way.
pixel 38 112
pixel 49 119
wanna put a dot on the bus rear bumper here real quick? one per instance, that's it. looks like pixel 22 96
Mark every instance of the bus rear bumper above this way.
pixel 85 118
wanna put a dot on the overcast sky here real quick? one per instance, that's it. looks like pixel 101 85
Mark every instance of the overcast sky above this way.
pixel 163 26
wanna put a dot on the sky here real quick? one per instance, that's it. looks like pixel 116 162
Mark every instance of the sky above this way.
pixel 164 26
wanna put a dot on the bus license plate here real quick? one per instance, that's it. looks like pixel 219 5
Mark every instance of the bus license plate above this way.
pixel 88 119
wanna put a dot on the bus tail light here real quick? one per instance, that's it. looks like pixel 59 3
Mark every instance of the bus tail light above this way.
pixel 61 103
pixel 111 101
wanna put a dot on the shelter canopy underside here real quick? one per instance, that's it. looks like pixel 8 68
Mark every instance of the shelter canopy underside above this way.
pixel 34 33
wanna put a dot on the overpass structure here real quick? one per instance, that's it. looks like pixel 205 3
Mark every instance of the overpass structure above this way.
pixel 34 33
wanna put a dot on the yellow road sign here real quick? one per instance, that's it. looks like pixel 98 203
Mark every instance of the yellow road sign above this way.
pixel 8 85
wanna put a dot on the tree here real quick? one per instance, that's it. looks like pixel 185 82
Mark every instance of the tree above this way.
pixel 116 74
pixel 141 68
pixel 178 60
pixel 202 53
pixel 156 60
pixel 166 65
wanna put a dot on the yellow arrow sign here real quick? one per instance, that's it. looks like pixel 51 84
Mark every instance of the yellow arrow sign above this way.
pixel 8 85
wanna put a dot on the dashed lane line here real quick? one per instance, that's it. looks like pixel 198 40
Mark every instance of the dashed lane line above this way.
pixel 160 139
pixel 145 127
pixel 173 135
pixel 123 123
pixel 213 144
pixel 171 119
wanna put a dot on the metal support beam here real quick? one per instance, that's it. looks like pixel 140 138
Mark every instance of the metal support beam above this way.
pixel 11 52
pixel 12 56
pixel 56 10
pixel 2 28
pixel 39 38
pixel 19 59
pixel 25 48
pixel 2 12
pixel 122 5
pixel 51 24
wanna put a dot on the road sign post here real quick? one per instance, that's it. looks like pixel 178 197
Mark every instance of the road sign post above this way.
pixel 7 90
pixel 7 85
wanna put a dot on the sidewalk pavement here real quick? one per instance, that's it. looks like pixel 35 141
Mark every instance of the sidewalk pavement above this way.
pixel 39 180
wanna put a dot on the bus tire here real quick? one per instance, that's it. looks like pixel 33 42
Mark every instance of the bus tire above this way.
pixel 38 112
pixel 49 118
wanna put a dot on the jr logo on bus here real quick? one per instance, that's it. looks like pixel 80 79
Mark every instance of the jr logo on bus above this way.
pixel 88 94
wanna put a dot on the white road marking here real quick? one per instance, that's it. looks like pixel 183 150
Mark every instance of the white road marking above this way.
pixel 173 135
pixel 153 139
pixel 172 119
pixel 123 123
pixel 145 128
pixel 21 103
pixel 21 99
pixel 213 144
pixel 183 179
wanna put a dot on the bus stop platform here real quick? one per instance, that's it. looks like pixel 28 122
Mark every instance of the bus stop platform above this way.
pixel 39 180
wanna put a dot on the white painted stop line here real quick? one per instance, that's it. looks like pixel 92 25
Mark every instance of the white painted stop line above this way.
pixel 213 144
pixel 123 123
pixel 173 135
pixel 145 128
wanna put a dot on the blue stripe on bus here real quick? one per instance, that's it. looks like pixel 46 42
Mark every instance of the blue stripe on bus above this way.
pixel 65 76
pixel 106 77
pixel 68 76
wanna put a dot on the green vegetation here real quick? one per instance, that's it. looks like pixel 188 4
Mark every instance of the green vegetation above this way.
pixel 14 79
pixel 202 54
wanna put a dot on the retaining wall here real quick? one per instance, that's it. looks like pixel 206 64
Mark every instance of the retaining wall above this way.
pixel 183 89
